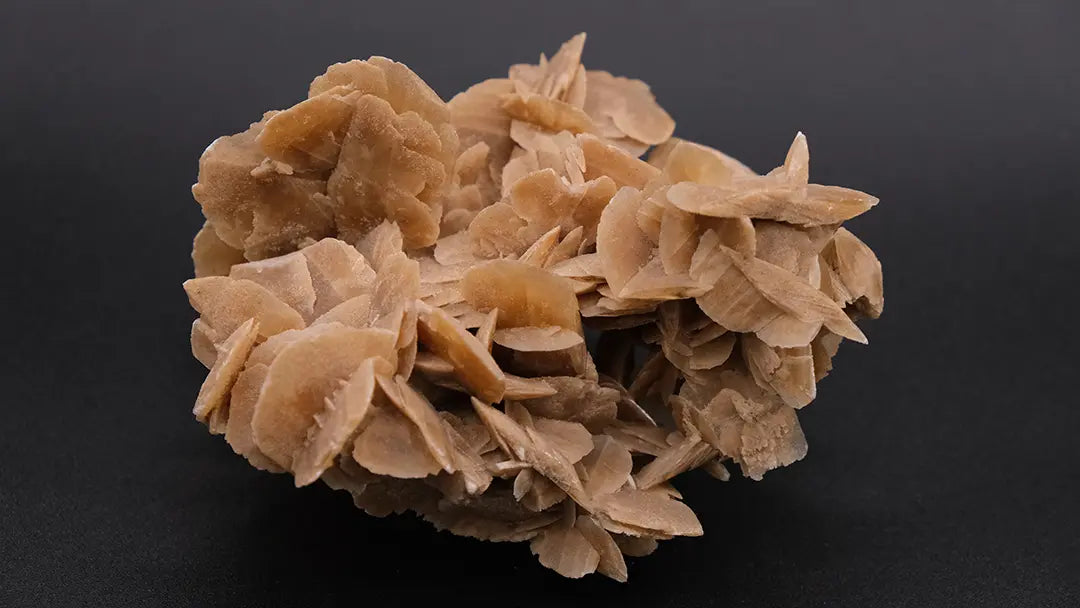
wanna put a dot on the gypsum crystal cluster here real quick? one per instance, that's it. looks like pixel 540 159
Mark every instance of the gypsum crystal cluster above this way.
pixel 394 296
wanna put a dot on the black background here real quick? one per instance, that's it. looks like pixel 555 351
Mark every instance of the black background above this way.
pixel 943 457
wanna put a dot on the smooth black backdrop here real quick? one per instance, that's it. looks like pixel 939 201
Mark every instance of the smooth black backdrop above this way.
pixel 942 468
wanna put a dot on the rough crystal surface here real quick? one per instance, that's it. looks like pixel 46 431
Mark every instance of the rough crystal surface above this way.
pixel 494 313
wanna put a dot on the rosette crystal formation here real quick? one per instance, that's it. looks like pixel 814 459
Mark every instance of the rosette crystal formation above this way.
pixel 395 295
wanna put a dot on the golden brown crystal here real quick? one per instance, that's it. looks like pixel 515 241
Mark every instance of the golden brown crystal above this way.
pixel 396 296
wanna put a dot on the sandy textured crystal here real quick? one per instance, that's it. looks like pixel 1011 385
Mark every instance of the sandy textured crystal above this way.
pixel 494 313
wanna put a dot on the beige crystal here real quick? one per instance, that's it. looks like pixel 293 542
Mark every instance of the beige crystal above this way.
pixel 403 298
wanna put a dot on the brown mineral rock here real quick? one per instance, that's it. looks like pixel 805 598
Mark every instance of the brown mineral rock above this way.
pixel 403 298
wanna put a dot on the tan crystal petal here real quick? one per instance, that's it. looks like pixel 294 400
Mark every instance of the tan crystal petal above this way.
pixel 504 468
pixel 764 198
pixel 542 494
pixel 245 392
pixel 707 334
pixel 511 438
pixel 262 209
pixel 823 349
pixel 302 376
pixel 538 339
pixel 532 447
pixel 434 272
pixel 795 295
pixel 792 248
pixel 719 423
pixel 211 255
pixel 471 165
pixel 226 303
pixel 523 483
pixel 639 437
pixel 522 163
pixel 787 331
pixel 478 116
pixel 355 75
pixel 407 92
pixel 215 390
pixel 649 511
pixel 576 400
pixel 651 212
pixel 629 145
pixel 604 159
pixel 737 233
pixel 538 252
pixel 678 240
pixel 266 352
pixel 689 453
pixel 544 200
pixel 471 360
pixel 595 196
pixel 797 162
pixel 561 70
pixel 712 354
pixel 384 173
pixel 391 445
pixel 287 277
pixel 485 334
pixel 567 247
pixel 775 441
pixel 752 426
pixel 571 438
pixel 653 282
pixel 524 295
pixel 202 343
pixel 470 466
pixel 459 209
pixel 499 231
pixel 607 467
pixel 497 524
pixel 635 546
pixel 397 286
pixel 858 270
pixel 787 371
pixel 630 105
pixel 585 266
pixel 621 245
pixel 380 244
pixel 575 95
pixel 337 423
pixel 551 114
pixel 565 550
pixel 740 304
pixel 686 161
pixel 628 407
pixel 432 365
pixel 573 361
pixel 440 295
pixel 518 388
pixel 338 273
pixel 307 136
pixel 407 357
pixel 421 413
pixel 354 312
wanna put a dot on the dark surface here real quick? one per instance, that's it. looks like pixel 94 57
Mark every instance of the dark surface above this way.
pixel 943 461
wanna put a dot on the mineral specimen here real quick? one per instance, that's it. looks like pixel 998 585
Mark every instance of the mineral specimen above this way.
pixel 398 296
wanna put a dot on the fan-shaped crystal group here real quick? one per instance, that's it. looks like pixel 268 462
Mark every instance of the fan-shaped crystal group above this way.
pixel 396 296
